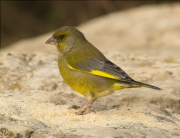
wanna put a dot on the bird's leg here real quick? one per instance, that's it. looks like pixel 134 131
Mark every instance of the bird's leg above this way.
pixel 86 108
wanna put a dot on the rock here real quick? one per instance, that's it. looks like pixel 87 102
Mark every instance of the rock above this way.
pixel 36 102
pixel 41 102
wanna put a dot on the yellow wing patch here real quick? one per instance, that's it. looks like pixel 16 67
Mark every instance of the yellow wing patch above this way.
pixel 97 72
pixel 103 74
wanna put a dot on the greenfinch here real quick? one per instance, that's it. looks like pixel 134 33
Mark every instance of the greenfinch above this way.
pixel 85 69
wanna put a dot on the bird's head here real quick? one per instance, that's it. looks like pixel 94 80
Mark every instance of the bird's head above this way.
pixel 65 39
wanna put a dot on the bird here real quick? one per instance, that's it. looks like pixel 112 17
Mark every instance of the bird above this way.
pixel 86 70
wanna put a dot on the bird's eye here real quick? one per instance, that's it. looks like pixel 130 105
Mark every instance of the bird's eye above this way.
pixel 61 36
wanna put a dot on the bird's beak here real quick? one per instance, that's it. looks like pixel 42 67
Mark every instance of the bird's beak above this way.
pixel 51 41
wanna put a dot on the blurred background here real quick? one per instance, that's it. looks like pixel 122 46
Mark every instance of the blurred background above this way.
pixel 25 19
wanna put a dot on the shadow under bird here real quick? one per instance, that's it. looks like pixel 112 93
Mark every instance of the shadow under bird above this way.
pixel 85 69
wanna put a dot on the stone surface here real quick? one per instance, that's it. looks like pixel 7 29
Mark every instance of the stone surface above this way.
pixel 36 102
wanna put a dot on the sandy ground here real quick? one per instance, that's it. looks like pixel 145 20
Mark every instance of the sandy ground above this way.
pixel 36 102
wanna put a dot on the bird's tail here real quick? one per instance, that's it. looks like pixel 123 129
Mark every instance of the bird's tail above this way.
pixel 140 84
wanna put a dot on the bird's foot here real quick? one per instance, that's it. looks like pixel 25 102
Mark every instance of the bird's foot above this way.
pixel 86 109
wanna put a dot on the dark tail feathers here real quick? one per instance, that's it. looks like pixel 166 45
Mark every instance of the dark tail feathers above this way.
pixel 145 85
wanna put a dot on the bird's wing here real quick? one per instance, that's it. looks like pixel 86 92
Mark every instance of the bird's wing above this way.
pixel 104 68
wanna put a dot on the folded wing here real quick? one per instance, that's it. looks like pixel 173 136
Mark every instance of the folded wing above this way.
pixel 104 68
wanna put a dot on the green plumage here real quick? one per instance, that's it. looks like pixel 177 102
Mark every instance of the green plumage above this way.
pixel 86 69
